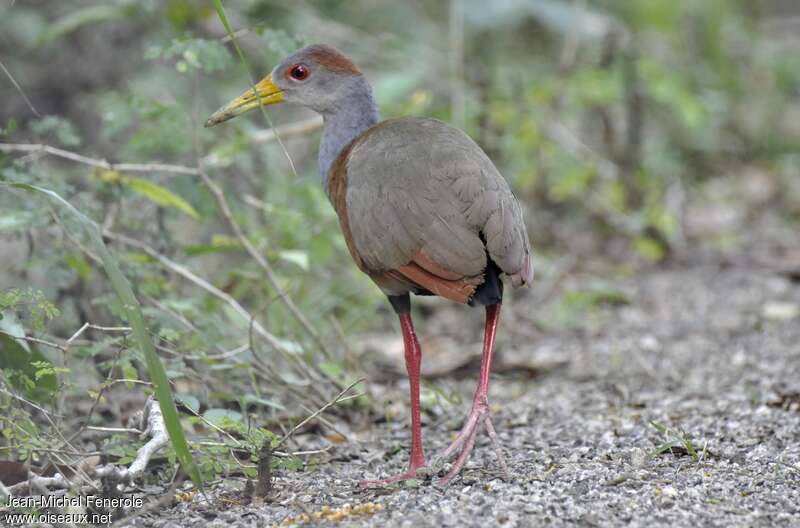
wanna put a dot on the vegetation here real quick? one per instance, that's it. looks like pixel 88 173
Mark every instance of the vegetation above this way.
pixel 608 117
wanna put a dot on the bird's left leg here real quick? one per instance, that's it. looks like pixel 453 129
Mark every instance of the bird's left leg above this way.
pixel 413 356
pixel 479 414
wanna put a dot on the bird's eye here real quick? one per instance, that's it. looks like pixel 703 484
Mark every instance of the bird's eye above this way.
pixel 299 72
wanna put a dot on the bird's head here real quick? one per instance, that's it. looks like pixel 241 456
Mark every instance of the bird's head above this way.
pixel 317 77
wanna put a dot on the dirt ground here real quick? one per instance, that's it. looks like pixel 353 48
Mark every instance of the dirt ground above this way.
pixel 709 349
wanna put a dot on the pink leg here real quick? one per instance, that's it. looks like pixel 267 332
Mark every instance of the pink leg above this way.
pixel 413 361
pixel 479 414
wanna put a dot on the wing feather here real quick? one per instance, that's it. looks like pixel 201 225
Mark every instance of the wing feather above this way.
pixel 424 204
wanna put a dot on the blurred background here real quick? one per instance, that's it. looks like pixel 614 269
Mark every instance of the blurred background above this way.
pixel 636 134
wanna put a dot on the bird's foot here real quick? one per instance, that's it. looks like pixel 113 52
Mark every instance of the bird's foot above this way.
pixel 413 472
pixel 479 415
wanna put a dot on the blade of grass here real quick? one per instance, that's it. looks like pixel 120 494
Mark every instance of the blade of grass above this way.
pixel 136 320
pixel 224 19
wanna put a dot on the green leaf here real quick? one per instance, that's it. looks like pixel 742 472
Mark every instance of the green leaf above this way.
pixel 332 368
pixel 221 417
pixel 160 195
pixel 649 248
pixel 17 355
pixel 79 265
pixel 295 256
pixel 140 332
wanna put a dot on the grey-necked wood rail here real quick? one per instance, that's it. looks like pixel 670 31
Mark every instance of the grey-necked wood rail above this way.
pixel 422 208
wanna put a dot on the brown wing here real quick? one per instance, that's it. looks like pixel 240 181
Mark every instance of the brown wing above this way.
pixel 420 204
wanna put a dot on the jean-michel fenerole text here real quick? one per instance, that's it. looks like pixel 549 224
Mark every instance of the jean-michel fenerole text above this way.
pixel 84 501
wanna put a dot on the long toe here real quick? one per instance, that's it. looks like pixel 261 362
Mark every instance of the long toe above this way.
pixel 471 423
pixel 465 442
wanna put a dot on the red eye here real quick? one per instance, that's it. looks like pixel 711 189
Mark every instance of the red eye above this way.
pixel 299 72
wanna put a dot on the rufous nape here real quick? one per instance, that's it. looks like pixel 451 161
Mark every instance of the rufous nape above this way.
pixel 422 208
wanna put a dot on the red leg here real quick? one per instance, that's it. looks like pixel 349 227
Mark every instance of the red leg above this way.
pixel 479 414
pixel 413 360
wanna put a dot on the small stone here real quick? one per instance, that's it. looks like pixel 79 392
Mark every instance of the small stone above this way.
pixel 780 311
pixel 669 491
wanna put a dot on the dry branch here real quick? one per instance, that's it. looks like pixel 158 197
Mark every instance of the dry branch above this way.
pixel 95 162
pixel 262 136
pixel 156 429
pixel 111 475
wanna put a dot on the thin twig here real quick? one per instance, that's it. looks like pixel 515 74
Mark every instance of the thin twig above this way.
pixel 262 262
pixel 100 393
pixel 321 410
pixel 96 162
pixel 35 340
pixel 184 272
pixel 31 404
pixel 74 240
pixel 84 454
pixel 262 136
pixel 299 128
pixel 19 89
pixel 127 430
pixel 96 327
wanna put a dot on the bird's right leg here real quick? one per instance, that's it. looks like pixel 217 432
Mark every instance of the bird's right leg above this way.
pixel 413 356
pixel 479 415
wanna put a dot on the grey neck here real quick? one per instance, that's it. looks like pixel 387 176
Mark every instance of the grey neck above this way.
pixel 345 121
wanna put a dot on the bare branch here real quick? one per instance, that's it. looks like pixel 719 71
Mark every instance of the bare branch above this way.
pixel 95 162
pixel 263 136
pixel 337 399
pixel 156 429
pixel 35 341
pixel 96 327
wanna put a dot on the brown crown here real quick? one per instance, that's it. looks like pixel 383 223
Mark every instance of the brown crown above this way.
pixel 333 60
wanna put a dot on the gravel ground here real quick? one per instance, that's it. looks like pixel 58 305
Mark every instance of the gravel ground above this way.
pixel 711 352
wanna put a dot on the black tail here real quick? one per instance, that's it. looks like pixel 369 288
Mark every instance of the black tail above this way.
pixel 491 291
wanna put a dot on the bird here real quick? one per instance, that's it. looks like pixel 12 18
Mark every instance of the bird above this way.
pixel 423 211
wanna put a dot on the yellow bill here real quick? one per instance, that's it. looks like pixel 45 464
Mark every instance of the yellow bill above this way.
pixel 265 93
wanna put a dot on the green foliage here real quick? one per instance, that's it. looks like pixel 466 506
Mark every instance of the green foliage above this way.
pixel 193 54
pixel 152 191
pixel 135 318
pixel 63 131
pixel 674 442
pixel 31 303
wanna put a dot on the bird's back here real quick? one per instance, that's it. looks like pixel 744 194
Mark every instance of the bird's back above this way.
pixel 418 192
